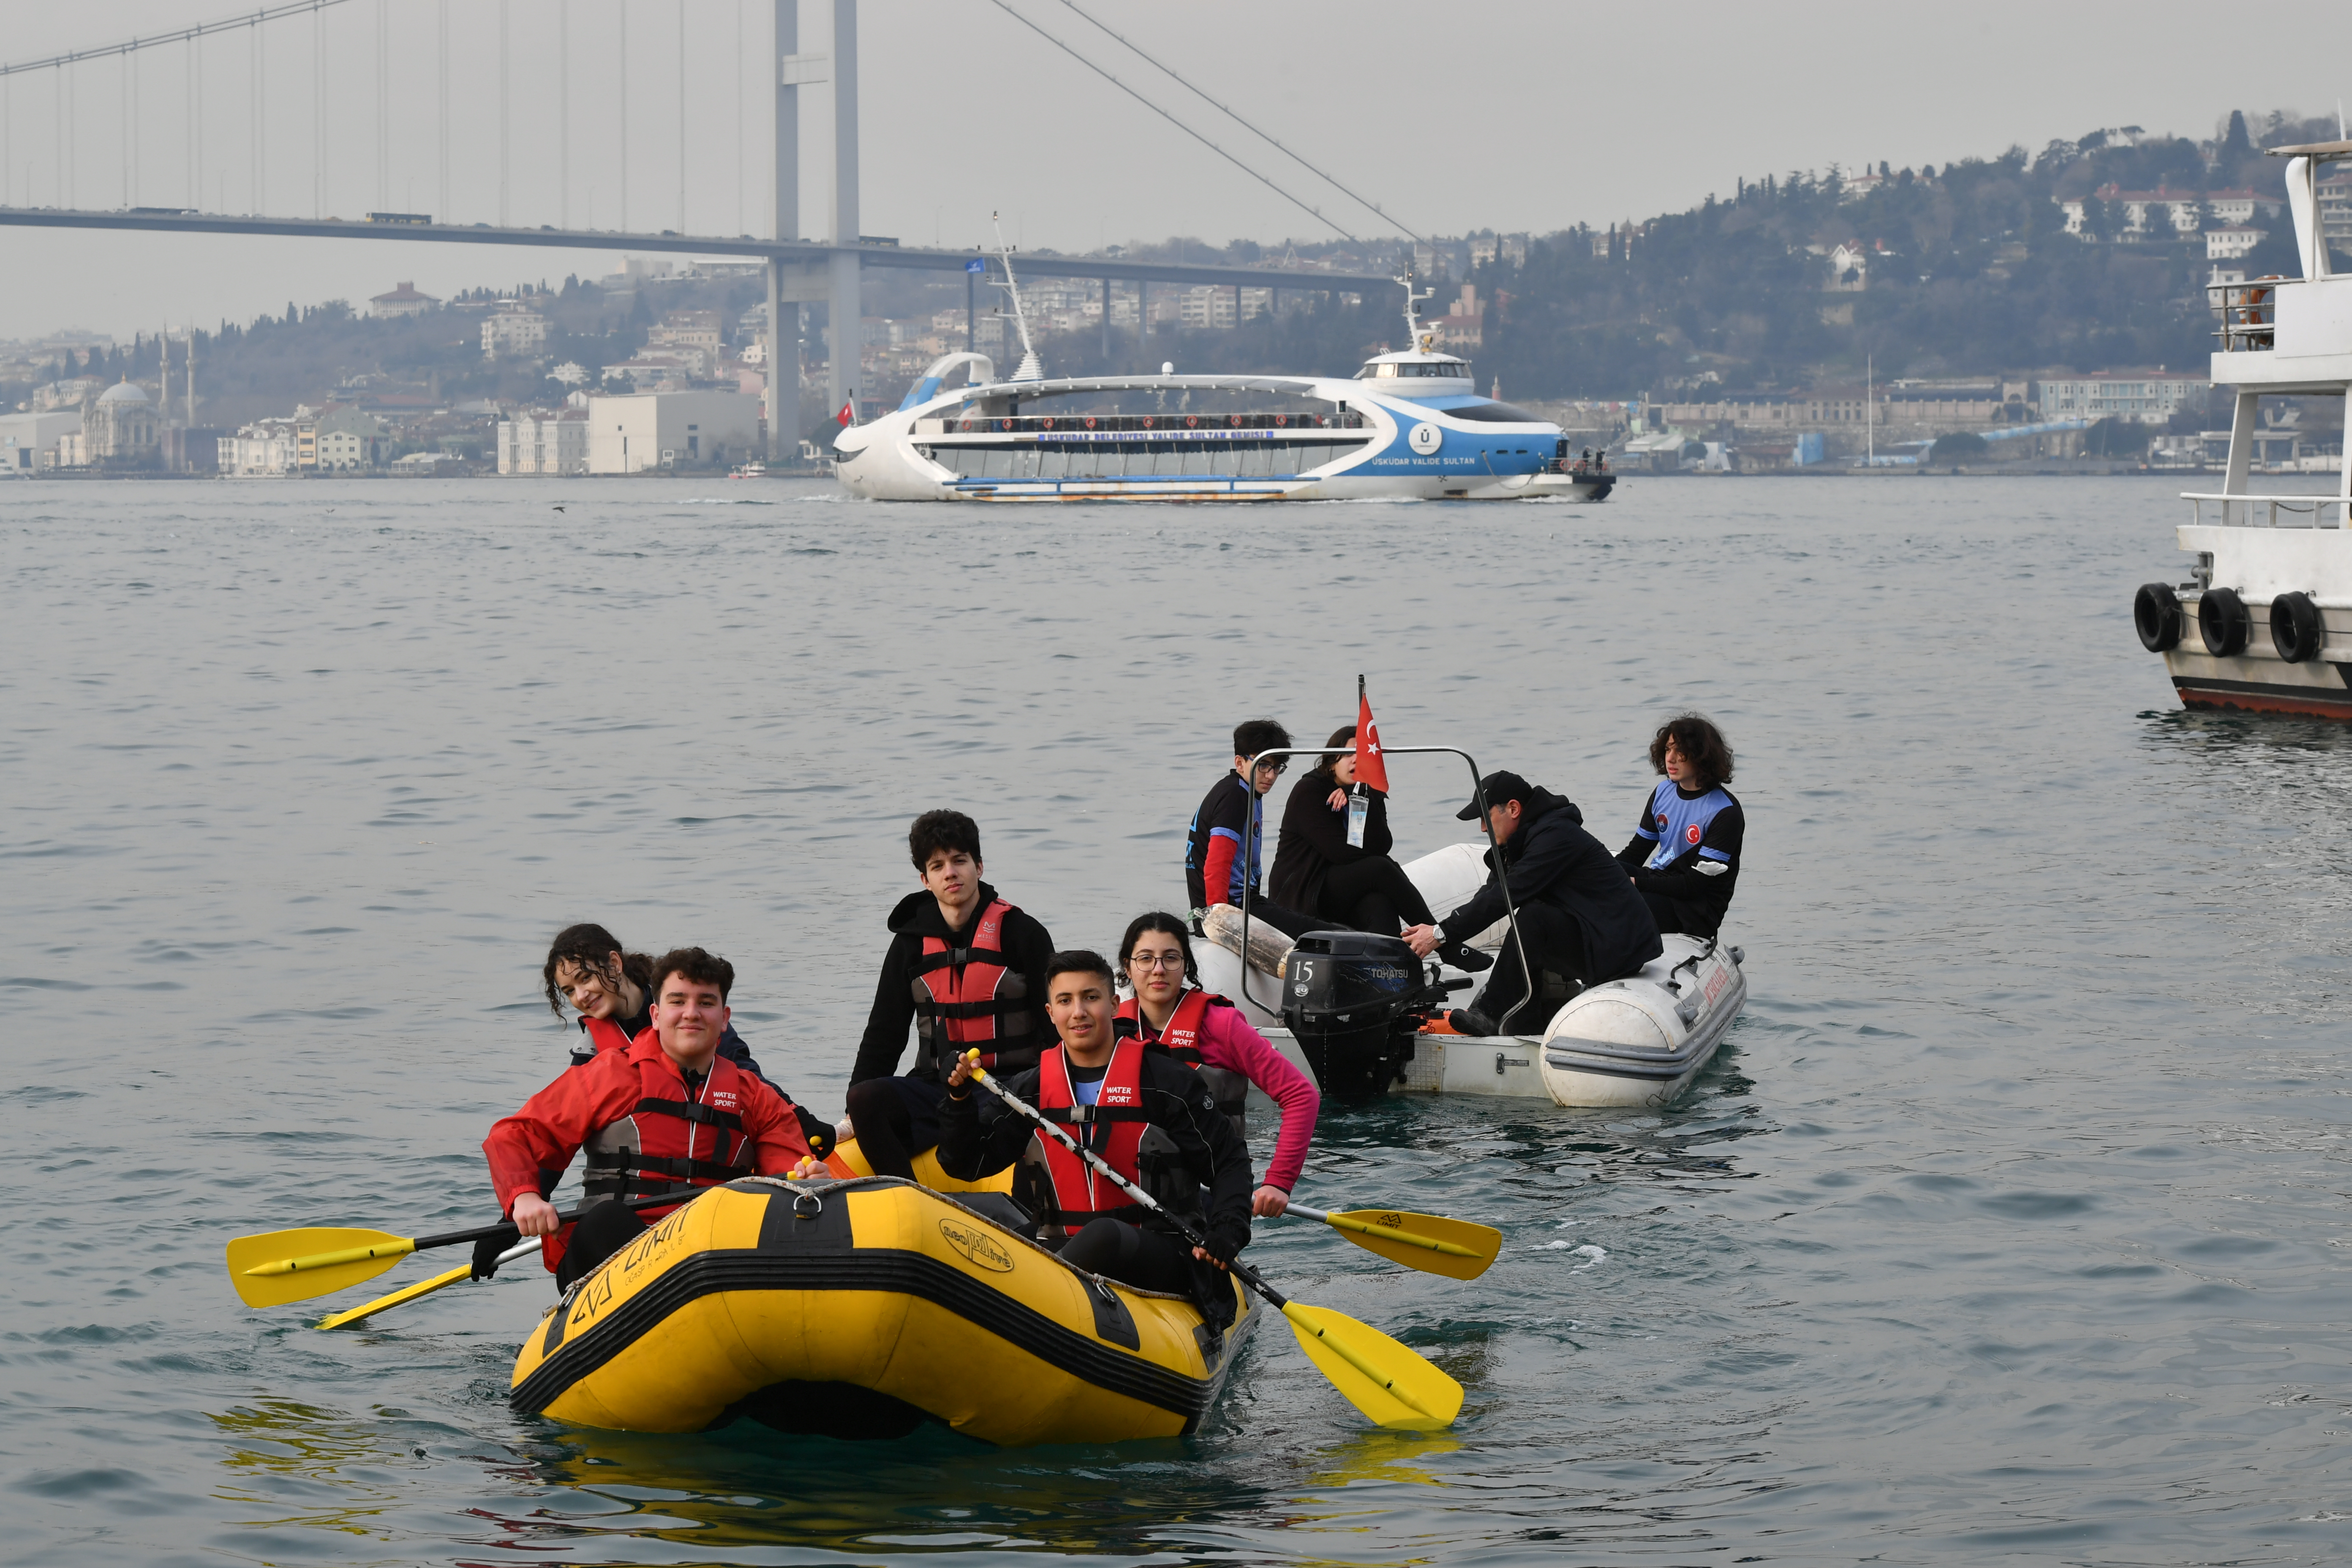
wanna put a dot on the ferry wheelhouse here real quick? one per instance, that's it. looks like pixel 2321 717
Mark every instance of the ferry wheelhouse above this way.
pixel 1409 424
pixel 2264 622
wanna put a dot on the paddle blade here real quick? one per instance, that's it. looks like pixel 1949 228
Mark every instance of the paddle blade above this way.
pixel 1462 1250
pixel 250 1252
pixel 1389 1382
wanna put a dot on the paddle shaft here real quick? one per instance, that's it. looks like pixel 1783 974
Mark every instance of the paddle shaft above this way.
pixel 1241 1270
pixel 403 1246
pixel 1409 1238
pixel 423 1288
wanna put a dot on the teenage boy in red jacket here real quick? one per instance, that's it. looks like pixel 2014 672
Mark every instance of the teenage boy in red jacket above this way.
pixel 667 1114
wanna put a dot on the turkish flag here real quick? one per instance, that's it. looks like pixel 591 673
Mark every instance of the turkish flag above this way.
pixel 1371 764
pixel 849 414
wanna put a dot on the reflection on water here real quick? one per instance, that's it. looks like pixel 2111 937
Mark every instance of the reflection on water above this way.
pixel 2008 1224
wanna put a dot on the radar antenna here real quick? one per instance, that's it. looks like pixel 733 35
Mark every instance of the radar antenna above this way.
pixel 1031 368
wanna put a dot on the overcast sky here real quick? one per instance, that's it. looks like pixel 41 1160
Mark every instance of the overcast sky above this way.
pixel 1502 114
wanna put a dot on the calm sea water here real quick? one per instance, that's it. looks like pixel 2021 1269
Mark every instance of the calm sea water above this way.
pixel 2010 1225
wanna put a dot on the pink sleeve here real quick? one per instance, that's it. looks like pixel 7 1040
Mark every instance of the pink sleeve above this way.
pixel 1228 1041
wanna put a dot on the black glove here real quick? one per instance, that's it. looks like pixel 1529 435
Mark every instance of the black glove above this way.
pixel 1223 1247
pixel 486 1250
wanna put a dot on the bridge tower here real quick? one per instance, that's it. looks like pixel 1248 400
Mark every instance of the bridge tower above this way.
pixel 791 284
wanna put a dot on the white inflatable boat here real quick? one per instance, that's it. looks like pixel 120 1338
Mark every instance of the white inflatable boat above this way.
pixel 1632 1042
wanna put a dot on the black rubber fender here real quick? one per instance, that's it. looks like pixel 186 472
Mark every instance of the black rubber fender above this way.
pixel 2223 622
pixel 2295 628
pixel 2156 614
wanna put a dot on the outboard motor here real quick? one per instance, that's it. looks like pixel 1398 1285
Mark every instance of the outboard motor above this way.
pixel 1355 1001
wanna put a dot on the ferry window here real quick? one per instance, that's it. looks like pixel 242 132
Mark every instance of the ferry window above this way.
pixel 1494 414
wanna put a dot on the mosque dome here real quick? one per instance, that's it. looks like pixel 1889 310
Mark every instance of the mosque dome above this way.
pixel 123 391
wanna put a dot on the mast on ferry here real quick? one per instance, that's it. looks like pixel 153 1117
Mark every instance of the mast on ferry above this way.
pixel 1031 368
pixel 1412 299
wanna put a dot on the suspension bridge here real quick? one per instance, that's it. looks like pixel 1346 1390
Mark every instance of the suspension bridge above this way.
pixel 181 167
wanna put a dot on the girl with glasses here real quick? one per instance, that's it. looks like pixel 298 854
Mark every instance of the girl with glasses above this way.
pixel 1209 1034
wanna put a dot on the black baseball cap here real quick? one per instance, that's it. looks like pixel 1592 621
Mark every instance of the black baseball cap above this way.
pixel 1499 788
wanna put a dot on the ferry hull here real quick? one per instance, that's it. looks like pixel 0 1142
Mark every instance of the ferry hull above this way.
pixel 2323 695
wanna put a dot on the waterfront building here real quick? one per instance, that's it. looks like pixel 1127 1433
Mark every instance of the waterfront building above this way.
pixel 2142 397
pixel 545 443
pixel 28 442
pixel 264 449
pixel 122 426
pixel 655 430
pixel 338 439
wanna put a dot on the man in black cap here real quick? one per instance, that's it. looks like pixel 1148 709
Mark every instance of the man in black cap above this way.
pixel 1578 913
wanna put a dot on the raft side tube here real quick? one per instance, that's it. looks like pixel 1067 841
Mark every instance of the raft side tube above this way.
pixel 881 1285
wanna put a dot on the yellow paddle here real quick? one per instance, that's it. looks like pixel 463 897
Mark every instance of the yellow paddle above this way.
pixel 281 1265
pixel 1457 1249
pixel 1389 1381
pixel 423 1288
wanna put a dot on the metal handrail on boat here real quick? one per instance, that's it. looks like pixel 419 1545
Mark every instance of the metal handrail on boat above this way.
pixel 1478 795
pixel 2314 504
pixel 1158 425
pixel 2249 313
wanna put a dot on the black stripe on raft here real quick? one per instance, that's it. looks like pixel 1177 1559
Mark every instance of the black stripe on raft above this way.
pixel 904 1273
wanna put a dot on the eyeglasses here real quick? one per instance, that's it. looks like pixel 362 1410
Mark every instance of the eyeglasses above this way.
pixel 1278 766
pixel 1156 961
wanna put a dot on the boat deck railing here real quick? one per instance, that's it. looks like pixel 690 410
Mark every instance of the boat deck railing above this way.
pixel 2266 511
pixel 2249 313
pixel 1156 423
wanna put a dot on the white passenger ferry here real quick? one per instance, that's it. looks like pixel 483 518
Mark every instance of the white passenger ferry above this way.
pixel 2264 622
pixel 1409 424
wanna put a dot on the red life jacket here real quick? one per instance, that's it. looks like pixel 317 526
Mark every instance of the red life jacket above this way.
pixel 1181 1039
pixel 603 1035
pixel 1111 1128
pixel 665 1143
pixel 968 996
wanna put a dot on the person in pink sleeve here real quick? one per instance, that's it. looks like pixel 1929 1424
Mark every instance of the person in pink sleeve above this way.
pixel 1209 1034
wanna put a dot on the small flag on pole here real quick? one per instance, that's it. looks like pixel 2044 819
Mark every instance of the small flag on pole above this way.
pixel 849 414
pixel 1371 767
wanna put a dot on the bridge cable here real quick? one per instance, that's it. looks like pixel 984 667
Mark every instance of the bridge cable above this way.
pixel 1228 111
pixel 1172 120
pixel 243 20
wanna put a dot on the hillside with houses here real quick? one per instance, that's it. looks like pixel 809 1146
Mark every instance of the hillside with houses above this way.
pixel 1988 298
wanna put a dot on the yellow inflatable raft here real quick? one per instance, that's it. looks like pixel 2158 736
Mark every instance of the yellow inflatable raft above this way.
pixel 859 1307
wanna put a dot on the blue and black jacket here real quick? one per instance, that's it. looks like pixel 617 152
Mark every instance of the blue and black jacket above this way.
pixel 1685 855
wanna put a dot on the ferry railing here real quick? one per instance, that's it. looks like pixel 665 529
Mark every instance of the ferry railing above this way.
pixel 2247 509
pixel 2249 313
pixel 1477 794
pixel 1157 424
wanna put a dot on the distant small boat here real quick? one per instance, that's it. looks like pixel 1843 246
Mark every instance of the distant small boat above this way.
pixel 754 470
